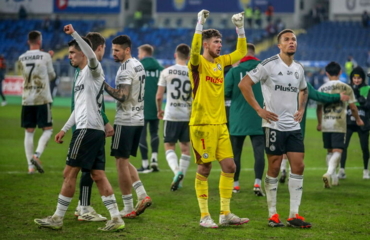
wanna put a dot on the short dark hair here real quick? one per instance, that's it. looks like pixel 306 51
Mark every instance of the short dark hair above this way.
pixel 210 33
pixel 183 51
pixel 75 44
pixel 147 48
pixel 333 69
pixel 251 47
pixel 122 40
pixel 282 32
pixel 33 36
pixel 96 39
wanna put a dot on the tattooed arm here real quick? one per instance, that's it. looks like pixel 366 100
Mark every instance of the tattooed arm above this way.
pixel 120 93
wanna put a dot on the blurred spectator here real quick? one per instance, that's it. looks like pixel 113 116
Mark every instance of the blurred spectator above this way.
pixel 138 18
pixel 349 66
pixel 46 24
pixel 317 14
pixel 269 13
pixel 57 24
pixel 248 13
pixel 22 13
pixel 270 31
pixel 368 59
pixel 319 78
pixel 365 19
pixel 257 17
pixel 2 77
pixel 280 25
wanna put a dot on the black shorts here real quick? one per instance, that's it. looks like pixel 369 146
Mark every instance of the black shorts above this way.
pixel 86 149
pixel 279 142
pixel 334 140
pixel 176 131
pixel 125 141
pixel 39 115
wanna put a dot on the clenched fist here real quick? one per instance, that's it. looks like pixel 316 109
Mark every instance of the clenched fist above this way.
pixel 238 20
pixel 202 16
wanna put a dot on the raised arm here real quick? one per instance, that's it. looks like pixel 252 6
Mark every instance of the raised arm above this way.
pixel 241 47
pixel 196 44
pixel 85 48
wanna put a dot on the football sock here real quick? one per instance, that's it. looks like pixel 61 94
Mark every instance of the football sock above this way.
pixel 201 189
pixel 333 162
pixel 172 160
pixel 226 190
pixel 43 141
pixel 155 156
pixel 236 183
pixel 184 163
pixel 62 206
pixel 258 181
pixel 128 203
pixel 295 190
pixel 86 183
pixel 328 156
pixel 28 146
pixel 111 204
pixel 145 163
pixel 271 185
pixel 140 190
pixel 283 165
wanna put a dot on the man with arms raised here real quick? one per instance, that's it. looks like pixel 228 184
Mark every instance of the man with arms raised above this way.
pixel 282 81
pixel 208 131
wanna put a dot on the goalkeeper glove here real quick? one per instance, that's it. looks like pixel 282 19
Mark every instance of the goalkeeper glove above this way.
pixel 202 16
pixel 238 20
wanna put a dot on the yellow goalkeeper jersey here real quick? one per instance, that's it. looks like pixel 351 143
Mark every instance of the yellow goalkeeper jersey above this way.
pixel 207 82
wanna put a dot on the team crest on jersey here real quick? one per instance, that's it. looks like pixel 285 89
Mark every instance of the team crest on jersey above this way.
pixel 205 155
pixel 179 4
pixel 272 147
pixel 219 66
pixel 255 70
pixel 296 75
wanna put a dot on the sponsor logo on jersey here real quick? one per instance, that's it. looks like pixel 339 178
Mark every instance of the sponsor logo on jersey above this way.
pixel 214 80
pixel 280 74
pixel 289 88
pixel 219 66
pixel 138 68
pixel 289 73
pixel 79 87
pixel 205 155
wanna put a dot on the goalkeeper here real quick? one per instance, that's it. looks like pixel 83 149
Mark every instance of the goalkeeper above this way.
pixel 208 132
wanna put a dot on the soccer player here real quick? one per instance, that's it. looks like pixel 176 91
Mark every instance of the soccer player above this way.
pixel 128 124
pixel 244 121
pixel 86 150
pixel 175 81
pixel 37 69
pixel 362 95
pixel 332 122
pixel 208 131
pixel 282 81
pixel 320 97
pixel 84 211
pixel 152 71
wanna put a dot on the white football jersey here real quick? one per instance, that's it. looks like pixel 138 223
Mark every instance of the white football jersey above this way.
pixel 131 111
pixel 280 85
pixel 334 117
pixel 36 66
pixel 176 80
pixel 88 98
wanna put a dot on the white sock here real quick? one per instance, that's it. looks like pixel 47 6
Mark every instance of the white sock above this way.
pixel 145 163
pixel 154 157
pixel 28 146
pixel 184 163
pixel 328 156
pixel 128 203
pixel 333 162
pixel 172 161
pixel 236 183
pixel 62 206
pixel 111 204
pixel 257 181
pixel 140 190
pixel 295 190
pixel 283 164
pixel 43 141
pixel 271 186
pixel 341 170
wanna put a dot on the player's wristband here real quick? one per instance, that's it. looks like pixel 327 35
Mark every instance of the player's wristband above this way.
pixel 199 28
pixel 240 32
